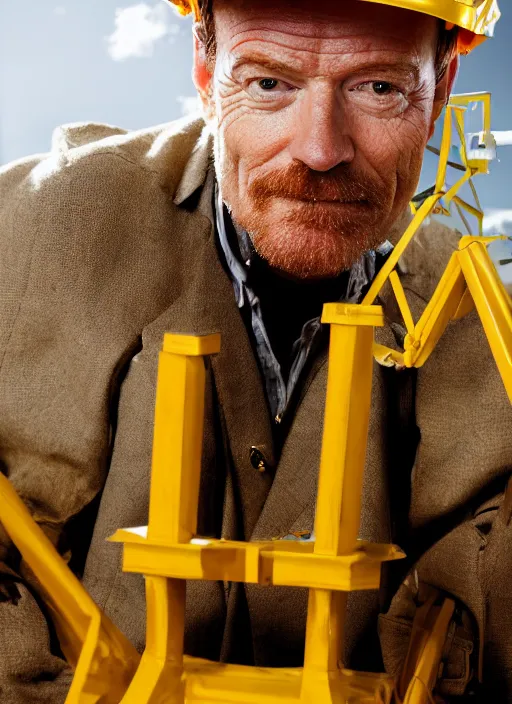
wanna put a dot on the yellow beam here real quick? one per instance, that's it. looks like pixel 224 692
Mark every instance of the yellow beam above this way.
pixel 441 308
pixel 178 437
pixel 347 411
pixel 159 677
pixel 173 507
pixel 286 563
pixel 338 510
pixel 493 305
pixel 423 212
pixel 89 640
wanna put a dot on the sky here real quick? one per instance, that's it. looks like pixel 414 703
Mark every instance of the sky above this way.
pixel 128 64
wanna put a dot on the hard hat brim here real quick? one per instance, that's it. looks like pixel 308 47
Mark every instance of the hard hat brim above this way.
pixel 476 23
pixel 476 19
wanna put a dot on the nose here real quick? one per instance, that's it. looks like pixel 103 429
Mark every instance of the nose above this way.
pixel 320 140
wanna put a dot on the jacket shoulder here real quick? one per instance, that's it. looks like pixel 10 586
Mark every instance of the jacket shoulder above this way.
pixel 89 150
pixel 93 215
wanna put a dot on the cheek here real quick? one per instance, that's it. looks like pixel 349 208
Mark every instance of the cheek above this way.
pixel 394 148
pixel 251 144
pixel 414 135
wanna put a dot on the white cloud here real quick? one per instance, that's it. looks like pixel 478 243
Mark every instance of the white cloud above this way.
pixel 189 104
pixel 59 10
pixel 498 222
pixel 137 29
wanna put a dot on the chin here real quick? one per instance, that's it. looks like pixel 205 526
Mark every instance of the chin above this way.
pixel 310 253
pixel 313 241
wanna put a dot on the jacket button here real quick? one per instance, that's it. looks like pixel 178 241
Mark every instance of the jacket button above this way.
pixel 257 459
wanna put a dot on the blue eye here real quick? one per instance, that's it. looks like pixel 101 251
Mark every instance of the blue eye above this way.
pixel 268 83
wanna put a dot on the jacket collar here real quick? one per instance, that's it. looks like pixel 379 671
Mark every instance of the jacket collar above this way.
pixel 196 168
pixel 209 305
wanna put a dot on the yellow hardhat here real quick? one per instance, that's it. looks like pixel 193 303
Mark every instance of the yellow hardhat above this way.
pixel 476 18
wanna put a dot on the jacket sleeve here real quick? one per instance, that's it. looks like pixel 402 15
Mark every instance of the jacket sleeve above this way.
pixel 458 515
pixel 55 385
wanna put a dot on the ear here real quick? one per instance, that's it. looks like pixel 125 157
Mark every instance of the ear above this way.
pixel 443 91
pixel 201 75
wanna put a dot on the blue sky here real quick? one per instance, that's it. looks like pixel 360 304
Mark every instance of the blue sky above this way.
pixel 128 64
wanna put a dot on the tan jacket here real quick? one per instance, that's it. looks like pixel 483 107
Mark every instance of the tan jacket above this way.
pixel 105 244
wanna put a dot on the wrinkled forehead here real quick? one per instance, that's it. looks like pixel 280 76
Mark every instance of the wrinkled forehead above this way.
pixel 329 20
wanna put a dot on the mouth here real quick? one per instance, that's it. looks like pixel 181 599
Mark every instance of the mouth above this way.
pixel 327 201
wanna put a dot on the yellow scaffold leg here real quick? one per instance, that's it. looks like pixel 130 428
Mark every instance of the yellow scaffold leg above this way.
pixel 168 551
pixel 174 499
pixel 104 660
pixel 338 510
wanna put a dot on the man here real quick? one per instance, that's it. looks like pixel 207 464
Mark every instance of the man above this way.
pixel 317 120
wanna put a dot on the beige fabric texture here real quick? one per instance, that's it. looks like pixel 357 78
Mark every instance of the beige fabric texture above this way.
pixel 106 242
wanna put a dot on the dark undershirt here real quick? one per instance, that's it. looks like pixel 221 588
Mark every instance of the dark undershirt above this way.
pixel 283 314
pixel 287 304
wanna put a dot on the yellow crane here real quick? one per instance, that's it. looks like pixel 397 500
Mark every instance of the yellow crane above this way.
pixel 108 670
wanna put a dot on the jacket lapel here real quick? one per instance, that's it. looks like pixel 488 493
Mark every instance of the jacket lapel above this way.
pixel 207 305
pixel 291 502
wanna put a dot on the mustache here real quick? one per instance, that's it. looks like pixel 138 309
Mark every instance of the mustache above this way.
pixel 298 182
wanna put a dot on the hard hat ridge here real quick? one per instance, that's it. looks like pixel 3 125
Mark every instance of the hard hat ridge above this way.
pixel 475 18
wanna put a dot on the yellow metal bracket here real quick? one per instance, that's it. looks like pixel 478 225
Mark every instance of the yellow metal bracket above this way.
pixel 470 277
pixel 168 553
pixel 103 659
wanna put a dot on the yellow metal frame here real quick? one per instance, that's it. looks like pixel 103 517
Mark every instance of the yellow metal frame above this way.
pixel 469 280
pixel 168 552
pixel 103 659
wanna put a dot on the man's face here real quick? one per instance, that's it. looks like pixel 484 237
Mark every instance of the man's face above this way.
pixel 321 113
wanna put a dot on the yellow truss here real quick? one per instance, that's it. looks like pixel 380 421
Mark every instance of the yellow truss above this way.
pixel 108 670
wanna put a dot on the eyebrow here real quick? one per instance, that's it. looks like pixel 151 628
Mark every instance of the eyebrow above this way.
pixel 406 68
pixel 264 62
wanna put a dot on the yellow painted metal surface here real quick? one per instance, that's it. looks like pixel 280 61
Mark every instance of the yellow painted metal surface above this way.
pixel 178 437
pixel 103 659
pixel 274 562
pixel 493 304
pixel 168 552
pixel 330 567
pixel 470 278
pixel 477 18
pixel 430 626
